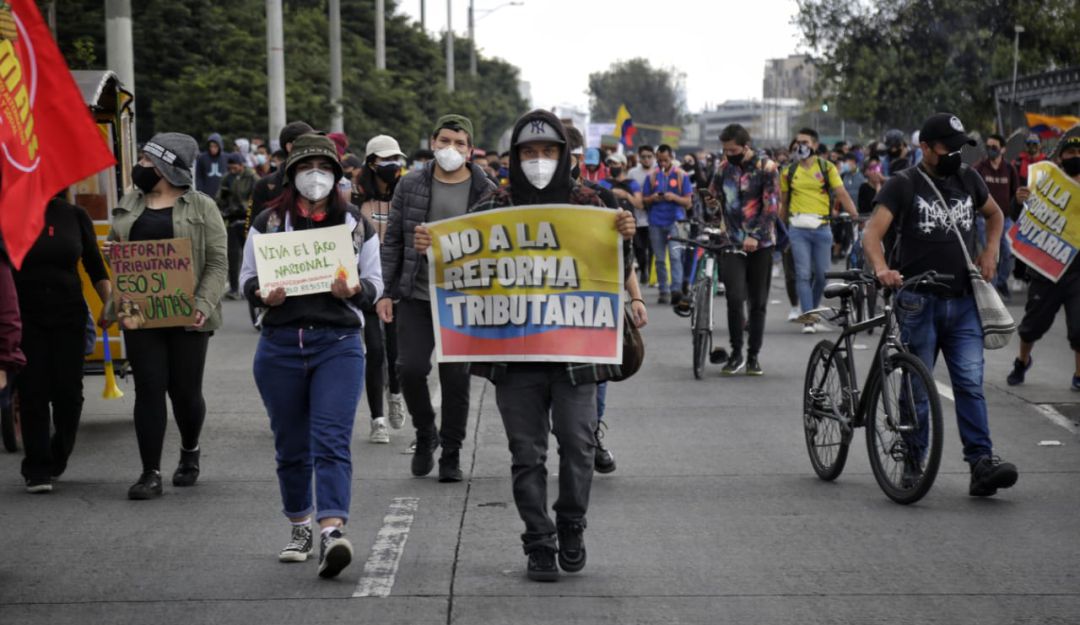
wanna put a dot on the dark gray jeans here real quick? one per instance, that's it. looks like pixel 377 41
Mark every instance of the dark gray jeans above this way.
pixel 534 400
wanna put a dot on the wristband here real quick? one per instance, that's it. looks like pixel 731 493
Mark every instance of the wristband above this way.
pixel 637 299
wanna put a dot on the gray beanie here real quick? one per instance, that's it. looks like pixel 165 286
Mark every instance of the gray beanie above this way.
pixel 174 154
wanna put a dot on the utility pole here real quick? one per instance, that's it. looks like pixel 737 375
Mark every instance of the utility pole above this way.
pixel 51 17
pixel 449 47
pixel 472 39
pixel 275 69
pixel 380 34
pixel 1016 62
pixel 337 111
pixel 119 47
pixel 423 15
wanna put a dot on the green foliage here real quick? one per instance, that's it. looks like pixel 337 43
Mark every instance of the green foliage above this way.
pixel 650 93
pixel 200 67
pixel 895 63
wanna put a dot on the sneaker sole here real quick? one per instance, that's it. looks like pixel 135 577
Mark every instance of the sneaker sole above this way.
pixel 989 490
pixel 571 567
pixel 755 374
pixel 39 489
pixel 338 556
pixel 293 556
pixel 731 372
pixel 397 423
pixel 605 469
pixel 543 576
pixel 379 441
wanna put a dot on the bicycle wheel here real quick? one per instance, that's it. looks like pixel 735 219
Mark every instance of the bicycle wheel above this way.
pixel 826 411
pixel 7 422
pixel 702 323
pixel 905 451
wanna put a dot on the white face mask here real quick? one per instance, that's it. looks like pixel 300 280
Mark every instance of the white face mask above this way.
pixel 314 184
pixel 539 171
pixel 449 159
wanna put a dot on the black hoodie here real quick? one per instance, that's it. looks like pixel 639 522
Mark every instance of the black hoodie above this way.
pixel 558 190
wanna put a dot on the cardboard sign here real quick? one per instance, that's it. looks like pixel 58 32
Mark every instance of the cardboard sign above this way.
pixel 1047 234
pixel 153 283
pixel 534 283
pixel 304 262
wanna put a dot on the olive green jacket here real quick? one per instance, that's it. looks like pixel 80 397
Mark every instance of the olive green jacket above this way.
pixel 195 217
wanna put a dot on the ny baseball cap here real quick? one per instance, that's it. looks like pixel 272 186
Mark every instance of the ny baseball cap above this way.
pixel 947 129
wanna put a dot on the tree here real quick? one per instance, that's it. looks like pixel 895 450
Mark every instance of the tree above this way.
pixel 895 63
pixel 651 94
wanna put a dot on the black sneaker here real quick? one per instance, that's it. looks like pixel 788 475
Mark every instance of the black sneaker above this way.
pixel 335 553
pixel 676 298
pixel 663 299
pixel 989 474
pixel 188 469
pixel 735 364
pixel 604 460
pixel 912 473
pixel 1016 376
pixel 541 567
pixel 148 486
pixel 571 546
pixel 423 460
pixel 753 367
pixel 39 486
pixel 299 546
pixel 718 355
pixel 450 466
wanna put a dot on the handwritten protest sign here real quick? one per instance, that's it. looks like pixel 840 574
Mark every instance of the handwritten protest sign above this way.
pixel 537 283
pixel 304 262
pixel 153 283
pixel 1047 234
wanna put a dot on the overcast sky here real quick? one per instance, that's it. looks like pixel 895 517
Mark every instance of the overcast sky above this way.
pixel 721 45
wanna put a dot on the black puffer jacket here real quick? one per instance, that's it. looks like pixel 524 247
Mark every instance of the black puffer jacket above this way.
pixel 409 209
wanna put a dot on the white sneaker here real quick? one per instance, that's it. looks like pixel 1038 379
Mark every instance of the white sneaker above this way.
pixel 822 327
pixel 379 432
pixel 808 328
pixel 395 406
pixel 794 313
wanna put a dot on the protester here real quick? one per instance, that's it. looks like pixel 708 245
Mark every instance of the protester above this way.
pixel 210 166
pixel 171 360
pixel 1045 297
pixel 806 189
pixel 309 364
pixel 642 246
pixel 897 153
pixel 843 233
pixel 12 358
pixel 667 193
pixel 1003 182
pixel 945 321
pixel 438 191
pixel 873 181
pixel 271 186
pixel 234 201
pixel 1032 154
pixel 263 166
pixel 376 179
pixel 538 398
pixel 594 170
pixel 747 193
pixel 54 336
pixel 421 158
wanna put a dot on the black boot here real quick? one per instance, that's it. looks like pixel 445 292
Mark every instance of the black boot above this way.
pixel 423 461
pixel 450 466
pixel 148 486
pixel 188 469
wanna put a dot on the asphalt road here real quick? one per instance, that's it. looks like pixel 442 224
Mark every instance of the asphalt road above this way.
pixel 713 516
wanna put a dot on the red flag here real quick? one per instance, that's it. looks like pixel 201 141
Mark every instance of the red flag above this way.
pixel 47 138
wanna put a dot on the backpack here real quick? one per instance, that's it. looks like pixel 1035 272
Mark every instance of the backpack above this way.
pixel 825 183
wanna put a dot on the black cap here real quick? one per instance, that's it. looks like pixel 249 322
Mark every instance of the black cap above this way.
pixel 290 132
pixel 945 128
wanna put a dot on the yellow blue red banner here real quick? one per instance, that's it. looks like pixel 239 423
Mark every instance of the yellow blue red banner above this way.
pixel 536 283
pixel 1047 234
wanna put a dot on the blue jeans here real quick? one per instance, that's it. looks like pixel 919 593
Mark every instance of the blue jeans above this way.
pixel 310 381
pixel 929 323
pixel 1005 260
pixel 658 239
pixel 812 252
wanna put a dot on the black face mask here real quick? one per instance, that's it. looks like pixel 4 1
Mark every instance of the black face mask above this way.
pixel 575 172
pixel 736 159
pixel 894 152
pixel 1071 166
pixel 992 153
pixel 948 164
pixel 145 178
pixel 388 173
pixel 615 171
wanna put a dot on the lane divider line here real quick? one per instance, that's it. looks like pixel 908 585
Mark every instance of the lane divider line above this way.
pixel 1057 418
pixel 945 390
pixel 381 567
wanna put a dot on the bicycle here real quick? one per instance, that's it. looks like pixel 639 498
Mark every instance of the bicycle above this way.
pixel 901 408
pixel 708 245
pixel 865 304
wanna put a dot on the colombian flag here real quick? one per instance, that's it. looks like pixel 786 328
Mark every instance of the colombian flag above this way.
pixel 624 127
pixel 1047 126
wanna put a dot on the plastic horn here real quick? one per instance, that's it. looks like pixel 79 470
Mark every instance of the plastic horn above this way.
pixel 112 391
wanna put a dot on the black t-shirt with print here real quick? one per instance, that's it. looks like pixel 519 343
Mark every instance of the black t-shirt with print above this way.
pixel 926 238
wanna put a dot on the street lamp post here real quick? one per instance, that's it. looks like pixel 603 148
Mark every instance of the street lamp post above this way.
pixel 472 28
pixel 449 47
pixel 1016 62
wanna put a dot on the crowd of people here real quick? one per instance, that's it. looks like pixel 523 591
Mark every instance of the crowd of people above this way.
pixel 318 353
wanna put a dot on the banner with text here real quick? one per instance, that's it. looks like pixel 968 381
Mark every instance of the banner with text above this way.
pixel 535 283
pixel 1047 234
pixel 304 262
pixel 153 283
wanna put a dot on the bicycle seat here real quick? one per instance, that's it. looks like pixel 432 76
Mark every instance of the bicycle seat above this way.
pixel 839 289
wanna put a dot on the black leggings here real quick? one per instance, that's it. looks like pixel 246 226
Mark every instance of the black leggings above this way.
pixel 642 254
pixel 235 232
pixel 167 360
pixel 746 280
pixel 381 346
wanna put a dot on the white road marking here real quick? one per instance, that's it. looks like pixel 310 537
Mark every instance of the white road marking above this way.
pixel 1057 418
pixel 945 391
pixel 382 565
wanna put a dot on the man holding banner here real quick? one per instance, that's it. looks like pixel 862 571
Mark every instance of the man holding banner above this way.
pixel 1046 237
pixel 545 348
